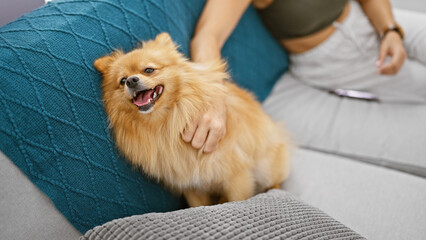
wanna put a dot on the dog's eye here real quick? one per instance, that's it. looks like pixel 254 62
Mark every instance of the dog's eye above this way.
pixel 123 81
pixel 148 70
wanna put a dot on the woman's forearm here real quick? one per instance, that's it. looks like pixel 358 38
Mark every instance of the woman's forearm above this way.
pixel 205 48
pixel 379 12
pixel 216 23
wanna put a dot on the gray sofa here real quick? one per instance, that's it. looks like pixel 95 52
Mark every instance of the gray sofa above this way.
pixel 362 163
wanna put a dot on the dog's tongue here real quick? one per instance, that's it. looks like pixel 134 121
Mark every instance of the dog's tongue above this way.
pixel 143 98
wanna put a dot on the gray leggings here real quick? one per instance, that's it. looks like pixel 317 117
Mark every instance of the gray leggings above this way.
pixel 347 59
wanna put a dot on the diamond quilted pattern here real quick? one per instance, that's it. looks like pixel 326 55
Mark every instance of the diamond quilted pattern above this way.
pixel 52 121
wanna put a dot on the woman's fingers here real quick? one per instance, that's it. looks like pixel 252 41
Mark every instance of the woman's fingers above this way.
pixel 201 133
pixel 207 131
pixel 216 132
pixel 189 131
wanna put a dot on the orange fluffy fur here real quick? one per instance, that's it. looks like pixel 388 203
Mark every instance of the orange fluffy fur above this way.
pixel 252 157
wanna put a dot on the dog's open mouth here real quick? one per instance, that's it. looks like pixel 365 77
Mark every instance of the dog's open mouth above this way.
pixel 145 99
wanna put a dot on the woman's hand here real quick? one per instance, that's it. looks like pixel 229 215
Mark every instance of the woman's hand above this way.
pixel 391 46
pixel 380 14
pixel 207 130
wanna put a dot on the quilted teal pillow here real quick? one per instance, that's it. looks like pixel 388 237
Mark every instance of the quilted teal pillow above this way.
pixel 52 122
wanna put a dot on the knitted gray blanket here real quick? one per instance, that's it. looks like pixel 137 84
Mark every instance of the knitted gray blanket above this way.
pixel 272 215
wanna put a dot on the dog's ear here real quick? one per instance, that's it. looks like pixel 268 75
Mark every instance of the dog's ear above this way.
pixel 103 64
pixel 164 38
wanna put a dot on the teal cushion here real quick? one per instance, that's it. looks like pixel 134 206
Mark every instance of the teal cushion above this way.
pixel 52 122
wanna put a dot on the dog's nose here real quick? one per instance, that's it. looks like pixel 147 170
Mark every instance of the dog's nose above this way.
pixel 132 81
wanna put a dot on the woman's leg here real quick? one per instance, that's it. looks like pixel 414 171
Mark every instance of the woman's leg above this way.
pixel 347 60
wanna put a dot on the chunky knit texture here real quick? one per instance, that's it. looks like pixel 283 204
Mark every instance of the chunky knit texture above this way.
pixel 273 215
pixel 52 121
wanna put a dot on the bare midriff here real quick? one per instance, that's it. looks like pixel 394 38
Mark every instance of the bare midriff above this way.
pixel 305 43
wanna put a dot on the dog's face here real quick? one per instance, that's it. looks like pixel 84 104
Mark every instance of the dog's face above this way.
pixel 143 79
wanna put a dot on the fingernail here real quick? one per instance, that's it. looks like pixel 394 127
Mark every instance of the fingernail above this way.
pixel 377 63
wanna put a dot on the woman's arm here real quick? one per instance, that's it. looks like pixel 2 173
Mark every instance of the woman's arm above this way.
pixel 216 23
pixel 380 14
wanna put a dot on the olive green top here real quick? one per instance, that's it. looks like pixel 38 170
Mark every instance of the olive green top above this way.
pixel 287 19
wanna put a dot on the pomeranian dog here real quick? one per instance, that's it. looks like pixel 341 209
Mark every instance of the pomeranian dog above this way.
pixel 152 92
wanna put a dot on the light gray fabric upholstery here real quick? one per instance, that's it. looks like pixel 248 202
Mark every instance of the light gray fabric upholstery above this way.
pixel 378 203
pixel 415 5
pixel 390 135
pixel 25 212
pixel 273 215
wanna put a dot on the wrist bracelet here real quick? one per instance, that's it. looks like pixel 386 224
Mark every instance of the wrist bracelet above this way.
pixel 393 27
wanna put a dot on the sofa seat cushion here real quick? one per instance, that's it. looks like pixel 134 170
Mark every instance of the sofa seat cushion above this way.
pixel 378 203
pixel 389 135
